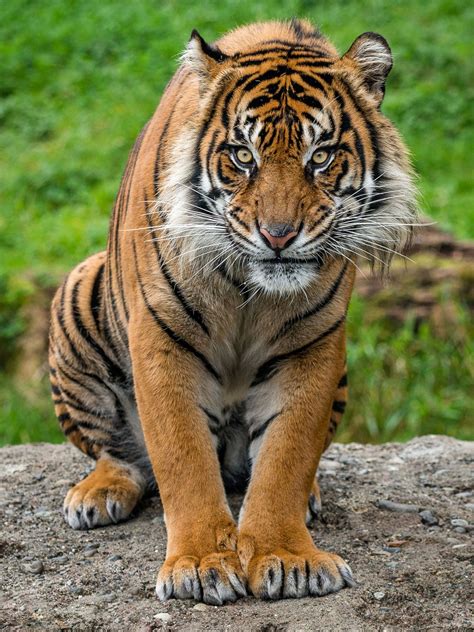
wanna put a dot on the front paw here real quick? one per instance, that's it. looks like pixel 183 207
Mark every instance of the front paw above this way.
pixel 216 578
pixel 281 574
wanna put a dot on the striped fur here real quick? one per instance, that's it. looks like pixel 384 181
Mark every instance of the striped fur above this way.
pixel 193 353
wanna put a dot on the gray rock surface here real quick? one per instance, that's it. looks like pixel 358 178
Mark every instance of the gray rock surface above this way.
pixel 410 575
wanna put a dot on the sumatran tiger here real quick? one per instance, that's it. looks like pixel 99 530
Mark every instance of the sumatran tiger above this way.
pixel 205 347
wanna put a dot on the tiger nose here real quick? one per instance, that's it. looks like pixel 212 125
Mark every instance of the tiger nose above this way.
pixel 277 236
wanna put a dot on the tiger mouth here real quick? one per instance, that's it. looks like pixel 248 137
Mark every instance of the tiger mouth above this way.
pixel 284 261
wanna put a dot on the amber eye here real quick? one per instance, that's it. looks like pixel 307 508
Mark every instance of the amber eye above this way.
pixel 243 155
pixel 320 156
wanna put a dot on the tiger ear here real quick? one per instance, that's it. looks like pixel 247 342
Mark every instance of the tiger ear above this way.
pixel 372 55
pixel 206 60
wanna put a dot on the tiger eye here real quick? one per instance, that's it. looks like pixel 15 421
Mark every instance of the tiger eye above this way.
pixel 320 156
pixel 244 156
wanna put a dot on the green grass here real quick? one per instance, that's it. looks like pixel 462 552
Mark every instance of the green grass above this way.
pixel 407 381
pixel 79 80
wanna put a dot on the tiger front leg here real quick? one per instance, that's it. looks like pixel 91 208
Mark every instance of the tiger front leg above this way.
pixel 275 548
pixel 201 560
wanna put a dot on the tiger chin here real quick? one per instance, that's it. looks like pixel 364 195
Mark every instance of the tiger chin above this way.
pixel 204 349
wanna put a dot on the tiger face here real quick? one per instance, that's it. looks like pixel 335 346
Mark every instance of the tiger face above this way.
pixel 293 162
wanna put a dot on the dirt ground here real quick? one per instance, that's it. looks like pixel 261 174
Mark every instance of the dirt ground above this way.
pixel 413 569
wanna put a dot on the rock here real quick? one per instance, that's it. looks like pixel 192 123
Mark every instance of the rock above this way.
pixel 459 529
pixel 379 595
pixel 36 567
pixel 459 522
pixel 397 507
pixel 162 616
pixel 469 506
pixel 392 549
pixel 427 581
pixel 428 518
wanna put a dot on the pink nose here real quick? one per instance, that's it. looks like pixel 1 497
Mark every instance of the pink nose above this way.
pixel 277 236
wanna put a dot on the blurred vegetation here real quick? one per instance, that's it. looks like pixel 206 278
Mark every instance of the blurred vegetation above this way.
pixel 79 80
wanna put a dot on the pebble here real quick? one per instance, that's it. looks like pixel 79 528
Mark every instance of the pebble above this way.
pixel 91 546
pixel 397 507
pixel 466 494
pixel 469 506
pixel 392 565
pixel 90 552
pixel 459 529
pixel 44 514
pixel 392 549
pixel 114 558
pixel 107 598
pixel 60 559
pixel 428 518
pixel 201 607
pixel 459 522
pixel 63 481
pixel 379 595
pixel 75 590
pixel 36 567
pixel 162 616
pixel 136 591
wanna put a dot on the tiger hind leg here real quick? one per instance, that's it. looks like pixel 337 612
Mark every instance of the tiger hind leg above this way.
pixel 339 404
pixel 94 404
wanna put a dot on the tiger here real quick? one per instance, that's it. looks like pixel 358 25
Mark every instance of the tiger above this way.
pixel 204 351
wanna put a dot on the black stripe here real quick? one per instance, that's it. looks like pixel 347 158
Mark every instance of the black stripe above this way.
pixel 83 373
pixel 342 381
pixel 87 425
pixel 255 434
pixel 156 166
pixel 339 406
pixel 63 417
pixel 269 368
pixel 74 402
pixel 193 313
pixel 212 418
pixel 317 308
pixel 96 296
pixel 184 344
pixel 112 368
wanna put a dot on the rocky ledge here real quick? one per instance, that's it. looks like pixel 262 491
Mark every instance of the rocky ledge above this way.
pixel 401 514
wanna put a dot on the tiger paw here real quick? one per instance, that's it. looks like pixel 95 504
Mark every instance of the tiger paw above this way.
pixel 216 578
pixel 281 574
pixel 108 495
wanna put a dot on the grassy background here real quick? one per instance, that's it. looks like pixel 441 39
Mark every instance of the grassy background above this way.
pixel 79 80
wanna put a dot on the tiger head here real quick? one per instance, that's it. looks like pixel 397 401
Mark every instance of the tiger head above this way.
pixel 289 159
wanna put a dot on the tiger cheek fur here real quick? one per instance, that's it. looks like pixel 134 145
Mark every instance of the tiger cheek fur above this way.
pixel 204 350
